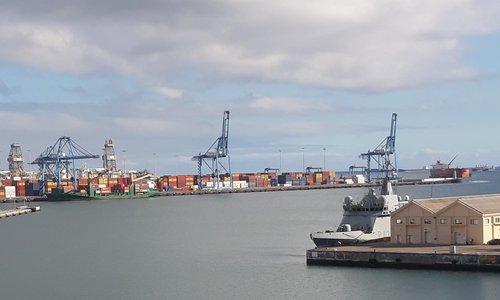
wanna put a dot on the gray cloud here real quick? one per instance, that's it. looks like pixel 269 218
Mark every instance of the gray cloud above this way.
pixel 373 45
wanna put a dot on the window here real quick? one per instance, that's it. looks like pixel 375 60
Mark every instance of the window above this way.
pixel 399 221
pixel 474 221
pixel 458 221
pixel 443 221
pixel 487 221
pixel 427 221
pixel 497 220
pixel 412 221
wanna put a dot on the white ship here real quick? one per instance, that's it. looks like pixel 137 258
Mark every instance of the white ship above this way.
pixel 365 221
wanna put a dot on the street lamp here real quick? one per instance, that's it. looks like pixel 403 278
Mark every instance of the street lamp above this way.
pixel 154 164
pixel 303 161
pixel 324 159
pixel 29 154
pixel 124 160
pixel 279 150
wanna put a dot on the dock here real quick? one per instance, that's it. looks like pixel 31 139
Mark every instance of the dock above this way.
pixel 385 255
pixel 15 212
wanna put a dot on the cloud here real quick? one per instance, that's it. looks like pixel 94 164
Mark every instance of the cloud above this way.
pixel 168 92
pixel 369 45
pixel 279 104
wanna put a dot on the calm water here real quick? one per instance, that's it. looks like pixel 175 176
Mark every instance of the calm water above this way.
pixel 239 246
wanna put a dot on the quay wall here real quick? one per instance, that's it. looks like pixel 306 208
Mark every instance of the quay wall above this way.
pixel 453 261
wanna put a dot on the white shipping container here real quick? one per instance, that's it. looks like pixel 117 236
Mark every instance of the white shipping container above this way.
pixel 10 192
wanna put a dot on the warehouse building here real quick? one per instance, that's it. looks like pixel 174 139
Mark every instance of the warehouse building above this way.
pixel 446 221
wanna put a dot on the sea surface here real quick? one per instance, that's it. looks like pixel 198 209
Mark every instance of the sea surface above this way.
pixel 230 246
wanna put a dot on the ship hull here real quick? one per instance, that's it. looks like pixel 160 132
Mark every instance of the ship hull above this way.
pixel 450 173
pixel 75 196
pixel 335 239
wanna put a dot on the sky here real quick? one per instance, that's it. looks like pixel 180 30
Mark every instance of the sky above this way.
pixel 309 83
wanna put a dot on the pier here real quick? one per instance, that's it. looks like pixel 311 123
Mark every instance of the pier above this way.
pixel 15 212
pixel 459 257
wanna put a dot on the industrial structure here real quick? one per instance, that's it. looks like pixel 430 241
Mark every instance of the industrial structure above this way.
pixel 384 155
pixel 57 162
pixel 215 157
pixel 109 157
pixel 16 160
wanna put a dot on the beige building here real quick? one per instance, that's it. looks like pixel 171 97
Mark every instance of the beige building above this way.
pixel 447 221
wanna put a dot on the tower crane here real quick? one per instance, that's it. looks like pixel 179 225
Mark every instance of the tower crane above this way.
pixel 383 153
pixel 213 158
pixel 60 158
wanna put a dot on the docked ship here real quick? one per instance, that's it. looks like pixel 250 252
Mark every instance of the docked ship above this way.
pixel 93 194
pixel 365 221
pixel 442 170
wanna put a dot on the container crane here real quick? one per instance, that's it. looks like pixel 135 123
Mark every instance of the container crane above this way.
pixel 382 154
pixel 58 158
pixel 214 156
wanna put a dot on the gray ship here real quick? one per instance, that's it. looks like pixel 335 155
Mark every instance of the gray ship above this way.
pixel 365 221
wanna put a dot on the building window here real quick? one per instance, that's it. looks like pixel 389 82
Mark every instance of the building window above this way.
pixel 427 221
pixel 458 221
pixel 443 221
pixel 497 220
pixel 487 221
pixel 399 221
pixel 474 221
pixel 412 221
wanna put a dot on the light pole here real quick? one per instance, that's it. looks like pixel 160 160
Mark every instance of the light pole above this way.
pixel 124 160
pixel 29 154
pixel 154 164
pixel 279 150
pixel 303 161
pixel 324 159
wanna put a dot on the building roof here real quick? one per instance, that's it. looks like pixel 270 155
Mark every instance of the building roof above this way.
pixel 488 204
pixel 435 205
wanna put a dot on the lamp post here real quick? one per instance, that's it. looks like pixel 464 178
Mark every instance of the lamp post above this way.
pixel 124 160
pixel 279 150
pixel 324 159
pixel 29 154
pixel 154 164
pixel 303 161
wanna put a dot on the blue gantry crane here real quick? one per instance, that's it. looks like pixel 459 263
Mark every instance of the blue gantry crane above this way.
pixel 215 156
pixel 384 155
pixel 58 160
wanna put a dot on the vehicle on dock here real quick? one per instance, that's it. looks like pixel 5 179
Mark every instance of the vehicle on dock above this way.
pixel 365 221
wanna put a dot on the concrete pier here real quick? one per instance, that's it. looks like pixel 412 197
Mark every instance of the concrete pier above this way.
pixel 462 257
pixel 14 212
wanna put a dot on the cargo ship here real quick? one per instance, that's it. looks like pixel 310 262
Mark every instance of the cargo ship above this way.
pixel 442 170
pixel 96 194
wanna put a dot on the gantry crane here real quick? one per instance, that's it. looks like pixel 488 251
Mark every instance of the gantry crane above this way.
pixel 214 156
pixel 384 155
pixel 57 159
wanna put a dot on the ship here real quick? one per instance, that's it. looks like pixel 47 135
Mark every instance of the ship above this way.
pixel 92 194
pixel 442 170
pixel 368 220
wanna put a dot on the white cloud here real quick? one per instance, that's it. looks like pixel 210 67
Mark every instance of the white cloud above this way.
pixel 279 104
pixel 374 45
pixel 168 92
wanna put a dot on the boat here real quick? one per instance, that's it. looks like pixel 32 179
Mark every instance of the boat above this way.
pixel 368 220
pixel 91 194
pixel 442 170
pixel 481 168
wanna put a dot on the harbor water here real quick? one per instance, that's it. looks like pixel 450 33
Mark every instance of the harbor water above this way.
pixel 228 246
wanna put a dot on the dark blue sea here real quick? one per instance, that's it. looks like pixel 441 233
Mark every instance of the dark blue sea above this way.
pixel 230 246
